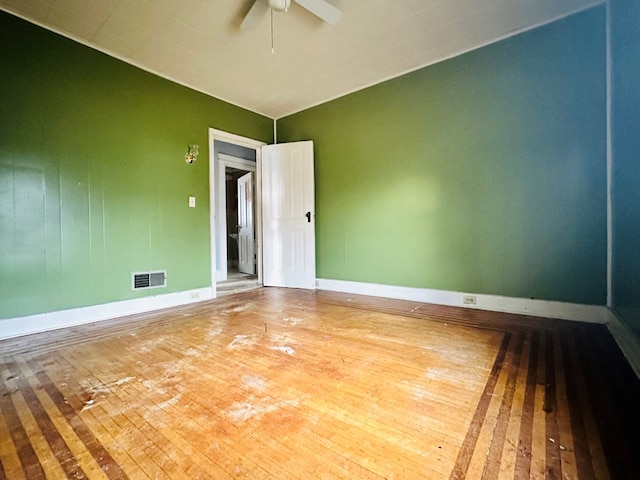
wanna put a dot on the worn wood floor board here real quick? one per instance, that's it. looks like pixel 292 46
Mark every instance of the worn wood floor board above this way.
pixel 481 463
pixel 587 440
pixel 55 431
pixel 566 434
pixel 125 393
pixel 539 437
pixel 92 401
pixel 491 468
pixel 358 399
pixel 292 384
pixel 171 392
pixel 42 449
pixel 11 467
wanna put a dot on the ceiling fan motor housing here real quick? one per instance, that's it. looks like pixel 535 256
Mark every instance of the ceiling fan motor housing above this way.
pixel 320 8
pixel 279 5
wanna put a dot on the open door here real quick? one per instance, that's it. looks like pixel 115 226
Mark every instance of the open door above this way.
pixel 288 212
pixel 246 257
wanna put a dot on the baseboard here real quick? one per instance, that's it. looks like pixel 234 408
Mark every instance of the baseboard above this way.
pixel 626 340
pixel 523 306
pixel 16 327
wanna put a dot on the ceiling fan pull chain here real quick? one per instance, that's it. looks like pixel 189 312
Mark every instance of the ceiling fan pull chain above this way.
pixel 272 47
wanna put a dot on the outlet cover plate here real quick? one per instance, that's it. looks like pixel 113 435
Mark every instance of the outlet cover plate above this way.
pixel 469 299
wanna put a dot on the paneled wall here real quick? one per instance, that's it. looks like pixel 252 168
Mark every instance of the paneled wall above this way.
pixel 93 183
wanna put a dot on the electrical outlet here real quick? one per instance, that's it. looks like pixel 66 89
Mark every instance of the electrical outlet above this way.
pixel 469 299
pixel 195 295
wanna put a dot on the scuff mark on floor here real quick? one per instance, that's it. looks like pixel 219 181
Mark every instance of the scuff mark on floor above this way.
pixel 122 381
pixel 172 401
pixel 257 408
pixel 87 405
pixel 96 390
pixel 240 341
pixel 153 387
pixel 148 345
pixel 284 349
pixel 279 339
pixel 214 330
pixel 293 320
pixel 254 382
pixel 239 308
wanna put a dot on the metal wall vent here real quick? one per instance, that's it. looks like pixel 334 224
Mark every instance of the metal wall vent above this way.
pixel 140 281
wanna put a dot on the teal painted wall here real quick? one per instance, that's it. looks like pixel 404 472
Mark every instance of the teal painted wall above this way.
pixel 485 173
pixel 625 28
pixel 93 183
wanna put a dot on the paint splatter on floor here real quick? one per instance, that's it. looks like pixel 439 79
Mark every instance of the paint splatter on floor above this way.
pixel 240 341
pixel 293 320
pixel 258 407
pixel 284 349
pixel 254 382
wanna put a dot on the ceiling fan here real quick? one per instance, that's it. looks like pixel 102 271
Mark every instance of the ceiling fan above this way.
pixel 320 8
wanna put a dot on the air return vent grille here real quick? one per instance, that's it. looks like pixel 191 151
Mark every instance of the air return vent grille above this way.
pixel 145 280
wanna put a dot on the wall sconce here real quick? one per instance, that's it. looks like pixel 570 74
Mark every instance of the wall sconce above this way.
pixel 192 154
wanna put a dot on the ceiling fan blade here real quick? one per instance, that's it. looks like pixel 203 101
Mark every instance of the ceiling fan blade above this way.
pixel 254 15
pixel 322 9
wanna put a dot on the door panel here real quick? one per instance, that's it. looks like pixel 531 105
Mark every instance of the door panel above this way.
pixel 287 198
pixel 246 257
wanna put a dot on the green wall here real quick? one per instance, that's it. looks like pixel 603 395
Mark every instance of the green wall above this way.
pixel 485 173
pixel 93 183
pixel 625 28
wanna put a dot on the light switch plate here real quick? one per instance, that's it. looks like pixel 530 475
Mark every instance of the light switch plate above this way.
pixel 192 202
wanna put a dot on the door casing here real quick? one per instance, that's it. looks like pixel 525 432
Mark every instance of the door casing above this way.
pixel 219 135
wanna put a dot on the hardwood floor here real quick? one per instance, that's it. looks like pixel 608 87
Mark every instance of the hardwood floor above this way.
pixel 288 384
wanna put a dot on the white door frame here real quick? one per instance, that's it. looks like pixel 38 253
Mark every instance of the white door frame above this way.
pixel 225 161
pixel 222 136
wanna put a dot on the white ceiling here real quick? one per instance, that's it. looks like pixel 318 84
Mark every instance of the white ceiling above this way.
pixel 198 43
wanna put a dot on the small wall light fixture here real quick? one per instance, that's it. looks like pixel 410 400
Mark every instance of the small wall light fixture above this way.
pixel 192 154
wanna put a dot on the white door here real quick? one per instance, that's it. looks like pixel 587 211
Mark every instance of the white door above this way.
pixel 288 212
pixel 246 263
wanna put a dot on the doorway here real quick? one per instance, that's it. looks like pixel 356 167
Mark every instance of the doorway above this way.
pixel 239 243
pixel 231 158
pixel 288 196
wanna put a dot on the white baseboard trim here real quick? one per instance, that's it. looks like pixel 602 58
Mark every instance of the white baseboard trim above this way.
pixel 523 306
pixel 626 340
pixel 16 327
